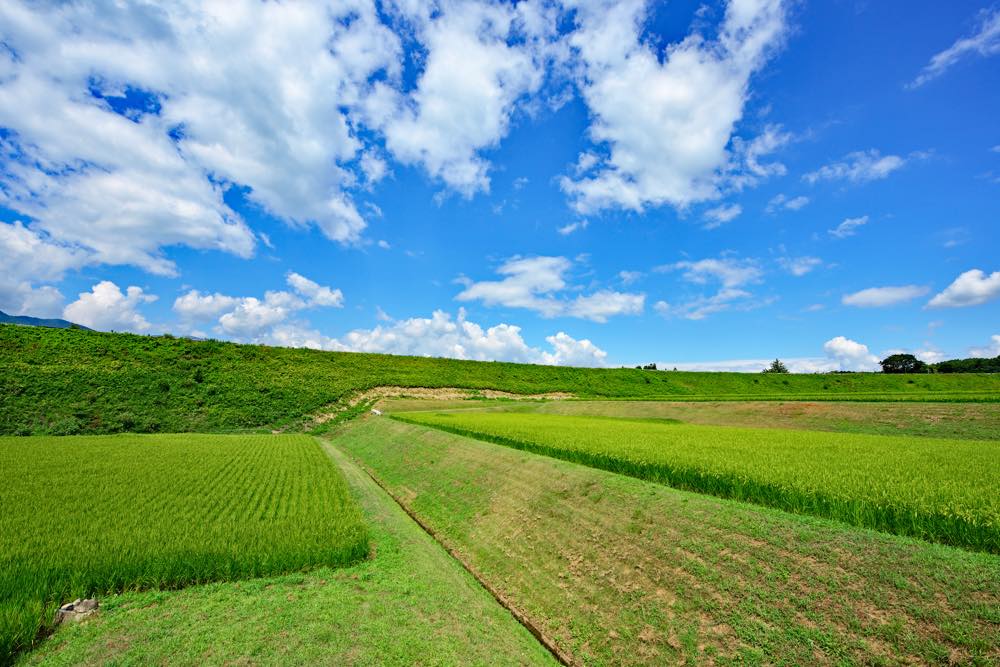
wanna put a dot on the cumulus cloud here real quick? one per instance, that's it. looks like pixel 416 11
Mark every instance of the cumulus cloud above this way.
pixel 29 257
pixel 474 72
pixel 314 293
pixel 106 307
pixel 849 227
pixel 443 336
pixel 720 215
pixel 252 319
pixel 535 283
pixel 879 297
pixel 857 167
pixel 992 349
pixel 850 355
pixel 970 289
pixel 125 140
pixel 667 119
pixel 984 42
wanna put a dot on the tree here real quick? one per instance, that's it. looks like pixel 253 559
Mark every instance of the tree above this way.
pixel 776 367
pixel 902 363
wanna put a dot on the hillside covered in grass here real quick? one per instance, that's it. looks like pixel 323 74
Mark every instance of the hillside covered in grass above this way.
pixel 65 381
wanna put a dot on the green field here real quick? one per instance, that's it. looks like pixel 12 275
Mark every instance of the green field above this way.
pixel 620 571
pixel 90 515
pixel 936 489
pixel 975 421
pixel 63 381
pixel 411 603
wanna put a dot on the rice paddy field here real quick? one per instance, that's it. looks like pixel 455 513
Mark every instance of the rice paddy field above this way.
pixel 88 516
pixel 932 488
pixel 491 514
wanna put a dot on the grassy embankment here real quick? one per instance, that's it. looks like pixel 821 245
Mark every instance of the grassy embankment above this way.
pixel 931 488
pixel 622 571
pixel 59 381
pixel 410 604
pixel 973 421
pixel 89 515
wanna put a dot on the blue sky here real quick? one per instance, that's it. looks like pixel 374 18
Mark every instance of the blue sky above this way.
pixel 704 185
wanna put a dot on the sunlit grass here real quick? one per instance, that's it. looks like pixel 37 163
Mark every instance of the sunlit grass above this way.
pixel 931 488
pixel 89 515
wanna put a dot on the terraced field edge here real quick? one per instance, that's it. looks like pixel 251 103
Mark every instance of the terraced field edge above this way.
pixel 898 520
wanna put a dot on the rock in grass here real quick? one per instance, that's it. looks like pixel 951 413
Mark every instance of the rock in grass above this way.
pixel 76 610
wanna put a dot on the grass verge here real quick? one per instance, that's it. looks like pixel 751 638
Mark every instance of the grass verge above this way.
pixel 621 571
pixel 934 489
pixel 410 604
pixel 89 515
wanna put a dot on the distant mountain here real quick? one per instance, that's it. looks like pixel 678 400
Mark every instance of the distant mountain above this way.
pixel 38 322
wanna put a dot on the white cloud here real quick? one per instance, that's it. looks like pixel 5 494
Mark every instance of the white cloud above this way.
pixel 985 42
pixel 841 354
pixel 730 272
pixel 314 293
pixel 857 167
pixel 383 244
pixel 992 349
pixel 473 75
pixel 23 298
pixel 794 365
pixel 251 319
pixel 970 289
pixel 701 307
pixel 442 336
pixel 849 227
pixel 879 297
pixel 571 227
pixel 535 282
pixel 603 304
pixel 567 351
pixel 629 277
pixel 782 201
pixel 196 306
pixel 666 122
pixel 105 307
pixel 720 215
pixel 265 95
pixel 29 257
pixel 850 355
pixel 799 266
pixel 929 354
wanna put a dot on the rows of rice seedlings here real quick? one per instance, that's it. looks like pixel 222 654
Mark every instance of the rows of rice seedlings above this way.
pixel 932 488
pixel 86 516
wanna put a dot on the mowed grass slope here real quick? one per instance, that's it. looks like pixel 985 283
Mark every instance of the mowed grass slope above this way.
pixel 88 515
pixel 623 571
pixel 409 604
pixel 931 488
pixel 62 381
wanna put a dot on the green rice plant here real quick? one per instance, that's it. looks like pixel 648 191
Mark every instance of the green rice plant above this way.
pixel 931 488
pixel 86 516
